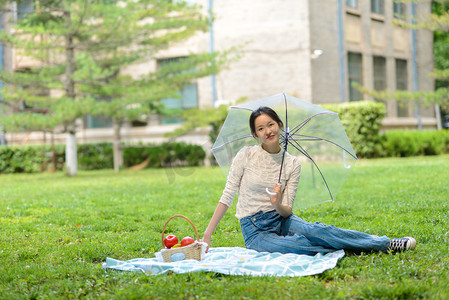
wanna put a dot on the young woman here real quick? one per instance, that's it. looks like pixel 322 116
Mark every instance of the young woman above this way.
pixel 267 221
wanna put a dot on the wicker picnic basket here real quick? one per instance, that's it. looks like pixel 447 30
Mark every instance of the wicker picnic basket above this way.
pixel 192 251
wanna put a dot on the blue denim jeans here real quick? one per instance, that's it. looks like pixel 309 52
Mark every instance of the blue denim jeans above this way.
pixel 270 232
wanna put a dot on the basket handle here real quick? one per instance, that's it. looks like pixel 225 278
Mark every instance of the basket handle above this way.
pixel 178 216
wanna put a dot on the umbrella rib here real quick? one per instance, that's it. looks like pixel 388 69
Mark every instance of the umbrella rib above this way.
pixel 286 139
pixel 244 108
pixel 286 115
pixel 313 138
pixel 304 152
pixel 234 140
pixel 301 125
pixel 300 149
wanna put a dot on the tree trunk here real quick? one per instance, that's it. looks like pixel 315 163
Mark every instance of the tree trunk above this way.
pixel 69 85
pixel 117 146
pixel 2 137
pixel 70 154
pixel 53 153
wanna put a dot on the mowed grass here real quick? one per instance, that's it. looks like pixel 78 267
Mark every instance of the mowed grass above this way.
pixel 57 231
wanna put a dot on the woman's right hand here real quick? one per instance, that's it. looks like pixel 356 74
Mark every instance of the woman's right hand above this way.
pixel 218 214
pixel 275 199
pixel 274 196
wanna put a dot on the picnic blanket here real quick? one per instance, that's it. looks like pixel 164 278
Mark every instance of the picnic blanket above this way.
pixel 235 261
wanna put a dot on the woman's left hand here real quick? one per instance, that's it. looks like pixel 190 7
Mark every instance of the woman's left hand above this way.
pixel 274 198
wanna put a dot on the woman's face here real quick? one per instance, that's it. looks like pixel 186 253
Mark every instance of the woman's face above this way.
pixel 268 131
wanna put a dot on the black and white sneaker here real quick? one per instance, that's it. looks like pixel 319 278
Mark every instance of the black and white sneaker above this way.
pixel 402 244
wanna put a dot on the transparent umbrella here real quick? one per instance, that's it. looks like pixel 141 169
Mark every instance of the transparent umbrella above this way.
pixel 311 133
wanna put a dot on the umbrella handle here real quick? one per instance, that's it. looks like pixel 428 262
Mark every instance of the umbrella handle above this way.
pixel 270 193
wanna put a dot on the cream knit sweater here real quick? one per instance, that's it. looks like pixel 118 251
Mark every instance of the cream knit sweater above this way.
pixel 252 171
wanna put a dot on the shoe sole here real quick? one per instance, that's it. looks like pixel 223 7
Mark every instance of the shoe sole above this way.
pixel 412 245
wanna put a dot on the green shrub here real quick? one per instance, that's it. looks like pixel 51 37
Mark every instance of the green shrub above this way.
pixel 33 159
pixel 410 143
pixel 59 157
pixel 446 140
pixel 196 155
pixel 24 159
pixel 27 159
pixel 362 121
pixel 95 156
pixel 167 154
pixel 398 144
pixel 134 155
pixel 6 154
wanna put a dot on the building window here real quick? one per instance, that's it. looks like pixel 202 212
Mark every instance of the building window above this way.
pixel 399 10
pixel 188 99
pixel 401 84
pixel 355 75
pixel 91 121
pixel 188 95
pixel 31 89
pixel 97 122
pixel 23 8
pixel 379 73
pixel 377 7
pixel 351 3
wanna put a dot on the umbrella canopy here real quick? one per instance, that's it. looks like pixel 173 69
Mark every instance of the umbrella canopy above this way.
pixel 311 133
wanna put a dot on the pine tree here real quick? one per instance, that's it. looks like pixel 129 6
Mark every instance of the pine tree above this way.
pixel 83 48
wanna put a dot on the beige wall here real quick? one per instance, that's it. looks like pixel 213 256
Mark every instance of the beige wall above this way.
pixel 324 36
pixel 275 39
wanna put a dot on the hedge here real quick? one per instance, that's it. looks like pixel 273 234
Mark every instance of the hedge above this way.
pixel 33 159
pixel 413 142
pixel 95 156
pixel 29 159
pixel 362 121
pixel 167 154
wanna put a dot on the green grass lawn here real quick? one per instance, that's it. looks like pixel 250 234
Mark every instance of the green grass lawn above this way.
pixel 56 232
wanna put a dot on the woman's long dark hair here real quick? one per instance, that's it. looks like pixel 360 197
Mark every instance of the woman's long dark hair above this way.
pixel 260 111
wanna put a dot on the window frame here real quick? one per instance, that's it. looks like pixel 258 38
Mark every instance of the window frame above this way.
pixel 354 94
pixel 353 4
pixel 183 102
pixel 403 108
pixel 23 8
pixel 401 7
pixel 379 72
pixel 97 122
pixel 378 7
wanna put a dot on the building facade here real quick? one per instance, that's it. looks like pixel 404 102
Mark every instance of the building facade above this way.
pixel 311 49
pixel 315 50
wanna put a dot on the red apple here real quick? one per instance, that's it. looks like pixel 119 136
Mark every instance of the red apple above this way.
pixel 170 241
pixel 187 241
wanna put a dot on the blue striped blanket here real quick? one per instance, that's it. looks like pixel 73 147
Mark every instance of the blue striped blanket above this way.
pixel 235 261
